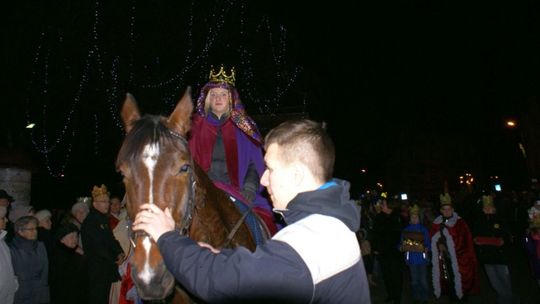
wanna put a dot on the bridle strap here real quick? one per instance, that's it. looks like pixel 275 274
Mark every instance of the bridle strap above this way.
pixel 187 218
pixel 233 231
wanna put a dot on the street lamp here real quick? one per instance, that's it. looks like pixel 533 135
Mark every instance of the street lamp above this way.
pixel 512 124
pixel 517 126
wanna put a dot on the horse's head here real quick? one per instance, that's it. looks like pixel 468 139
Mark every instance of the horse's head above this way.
pixel 158 169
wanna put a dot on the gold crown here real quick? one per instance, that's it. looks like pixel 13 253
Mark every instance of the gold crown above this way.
pixel 98 192
pixel 446 199
pixel 414 210
pixel 487 200
pixel 221 76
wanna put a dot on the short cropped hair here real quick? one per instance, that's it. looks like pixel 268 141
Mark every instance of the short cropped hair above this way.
pixel 305 141
pixel 21 223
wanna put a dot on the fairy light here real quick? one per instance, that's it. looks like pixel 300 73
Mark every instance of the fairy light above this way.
pixel 96 135
pixel 189 34
pixel 59 138
pixel 131 41
pixel 46 147
pixel 112 92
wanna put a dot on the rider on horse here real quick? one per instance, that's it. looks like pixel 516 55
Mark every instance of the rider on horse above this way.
pixel 226 143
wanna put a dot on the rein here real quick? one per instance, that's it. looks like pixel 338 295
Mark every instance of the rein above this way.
pixel 233 231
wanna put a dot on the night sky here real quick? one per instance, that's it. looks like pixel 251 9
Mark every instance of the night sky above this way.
pixel 432 80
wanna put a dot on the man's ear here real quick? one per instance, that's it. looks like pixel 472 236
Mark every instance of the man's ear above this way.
pixel 299 171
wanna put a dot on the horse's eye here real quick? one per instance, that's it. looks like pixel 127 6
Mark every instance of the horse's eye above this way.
pixel 184 168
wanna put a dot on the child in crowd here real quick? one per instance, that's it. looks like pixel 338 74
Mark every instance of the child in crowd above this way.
pixel 415 245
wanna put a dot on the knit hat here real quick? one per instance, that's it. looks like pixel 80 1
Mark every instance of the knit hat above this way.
pixel 43 214
pixel 3 211
pixel 4 194
pixel 82 203
pixel 65 230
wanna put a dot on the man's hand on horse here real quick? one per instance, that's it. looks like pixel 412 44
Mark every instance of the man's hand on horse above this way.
pixel 153 221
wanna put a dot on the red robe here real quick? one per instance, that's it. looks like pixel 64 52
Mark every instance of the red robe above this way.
pixel 113 221
pixel 462 256
pixel 201 144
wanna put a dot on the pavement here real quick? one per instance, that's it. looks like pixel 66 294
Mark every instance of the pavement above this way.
pixel 523 284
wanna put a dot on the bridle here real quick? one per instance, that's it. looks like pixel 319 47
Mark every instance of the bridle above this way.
pixel 187 217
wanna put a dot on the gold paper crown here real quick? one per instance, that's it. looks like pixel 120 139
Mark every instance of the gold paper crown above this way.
pixel 534 217
pixel 487 200
pixel 534 222
pixel 99 191
pixel 221 76
pixel 445 199
pixel 414 210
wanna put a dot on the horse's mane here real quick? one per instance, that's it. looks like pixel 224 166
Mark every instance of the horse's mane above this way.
pixel 150 129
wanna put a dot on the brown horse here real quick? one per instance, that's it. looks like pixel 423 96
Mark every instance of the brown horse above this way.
pixel 158 169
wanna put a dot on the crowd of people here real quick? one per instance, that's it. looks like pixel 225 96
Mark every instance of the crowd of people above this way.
pixel 443 252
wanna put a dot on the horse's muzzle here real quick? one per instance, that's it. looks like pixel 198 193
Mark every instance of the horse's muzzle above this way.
pixel 159 287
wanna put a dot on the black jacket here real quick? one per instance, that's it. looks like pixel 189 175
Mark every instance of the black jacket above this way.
pixel 491 225
pixel 386 234
pixel 68 275
pixel 100 247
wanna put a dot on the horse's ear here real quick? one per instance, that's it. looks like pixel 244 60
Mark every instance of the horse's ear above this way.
pixel 130 112
pixel 180 119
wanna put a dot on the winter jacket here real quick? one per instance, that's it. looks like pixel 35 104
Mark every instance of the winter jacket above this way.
pixel 100 247
pixel 315 259
pixel 31 267
pixel 8 281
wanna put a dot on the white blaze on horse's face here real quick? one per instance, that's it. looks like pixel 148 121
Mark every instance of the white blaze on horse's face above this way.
pixel 149 157
pixel 147 273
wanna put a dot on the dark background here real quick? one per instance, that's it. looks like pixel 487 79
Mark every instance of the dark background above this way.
pixel 416 92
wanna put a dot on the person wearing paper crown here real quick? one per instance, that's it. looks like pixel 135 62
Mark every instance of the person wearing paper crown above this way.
pixel 227 145
pixel 415 245
pixel 101 248
pixel 532 241
pixel 453 258
pixel 491 239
